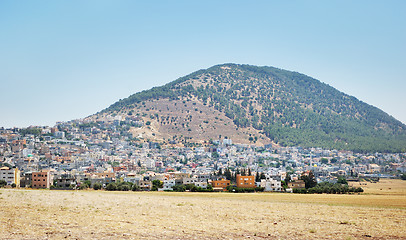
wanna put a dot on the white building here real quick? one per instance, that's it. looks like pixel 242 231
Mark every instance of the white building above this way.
pixel 270 185
pixel 201 184
pixel 168 184
pixel 10 175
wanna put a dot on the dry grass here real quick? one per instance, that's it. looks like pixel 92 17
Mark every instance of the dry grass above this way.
pixel 41 214
pixel 384 187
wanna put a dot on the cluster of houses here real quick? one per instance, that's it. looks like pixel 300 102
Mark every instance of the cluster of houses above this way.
pixel 105 151
pixel 50 179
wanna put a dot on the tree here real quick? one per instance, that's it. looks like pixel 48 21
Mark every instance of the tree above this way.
pixel 136 188
pixel 156 184
pixel 111 187
pixel 86 184
pixel 324 160
pixel 287 178
pixel 257 177
pixel 3 183
pixel 310 180
pixel 342 180
pixel 97 186
pixel 227 174
pixel 220 172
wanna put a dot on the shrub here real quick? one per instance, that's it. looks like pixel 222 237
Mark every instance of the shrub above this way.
pixel 123 187
pixel 3 183
pixel 111 187
pixel 97 186
pixel 135 188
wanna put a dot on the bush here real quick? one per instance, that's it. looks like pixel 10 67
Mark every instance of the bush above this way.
pixel 3 183
pixel 13 185
pixel 135 188
pixel 97 186
pixel 240 190
pixel 111 187
pixel 156 184
pixel 179 188
pixel 123 187
pixel 329 188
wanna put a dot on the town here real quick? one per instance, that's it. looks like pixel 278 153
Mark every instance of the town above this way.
pixel 81 153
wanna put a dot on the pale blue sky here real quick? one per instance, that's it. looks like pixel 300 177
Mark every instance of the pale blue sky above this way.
pixel 63 60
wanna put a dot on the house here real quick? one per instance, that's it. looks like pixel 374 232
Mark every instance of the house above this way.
pixel 245 181
pixel 220 185
pixel 168 184
pixel 270 185
pixel 145 185
pixel 10 175
pixel 26 180
pixel 201 184
pixel 41 179
pixel 297 184
pixel 189 181
pixel 65 181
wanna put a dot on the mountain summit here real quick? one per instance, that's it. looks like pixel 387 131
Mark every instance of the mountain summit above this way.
pixel 260 104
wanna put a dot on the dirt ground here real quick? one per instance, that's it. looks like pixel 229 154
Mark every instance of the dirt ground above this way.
pixel 46 214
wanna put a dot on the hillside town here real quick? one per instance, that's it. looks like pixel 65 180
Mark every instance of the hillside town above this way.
pixel 72 154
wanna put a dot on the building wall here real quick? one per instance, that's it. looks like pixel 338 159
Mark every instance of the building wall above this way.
pixel 220 184
pixel 297 184
pixel 245 181
pixel 10 175
pixel 41 179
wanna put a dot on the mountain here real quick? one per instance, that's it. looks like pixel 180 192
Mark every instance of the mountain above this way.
pixel 263 105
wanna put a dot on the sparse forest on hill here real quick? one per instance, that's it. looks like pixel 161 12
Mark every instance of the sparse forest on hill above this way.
pixel 289 108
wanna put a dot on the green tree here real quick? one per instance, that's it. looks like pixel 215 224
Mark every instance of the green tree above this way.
pixel 111 187
pixel 157 184
pixel 97 186
pixel 310 180
pixel 257 177
pixel 135 187
pixel 342 180
pixel 2 183
pixel 86 184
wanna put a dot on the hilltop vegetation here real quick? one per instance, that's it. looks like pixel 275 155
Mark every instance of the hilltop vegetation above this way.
pixel 289 108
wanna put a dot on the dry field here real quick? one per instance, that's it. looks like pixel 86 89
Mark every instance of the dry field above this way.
pixel 383 187
pixel 45 214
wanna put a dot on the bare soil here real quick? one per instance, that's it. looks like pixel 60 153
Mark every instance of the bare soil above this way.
pixel 47 214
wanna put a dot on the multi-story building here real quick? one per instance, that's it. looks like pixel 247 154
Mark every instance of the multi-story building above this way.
pixel 271 185
pixel 65 181
pixel 26 180
pixel 10 175
pixel 298 184
pixel 245 181
pixel 221 184
pixel 41 179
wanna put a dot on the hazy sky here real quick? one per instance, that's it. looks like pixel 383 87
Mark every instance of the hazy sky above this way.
pixel 63 60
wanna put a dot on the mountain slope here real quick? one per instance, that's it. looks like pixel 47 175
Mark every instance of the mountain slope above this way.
pixel 266 104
